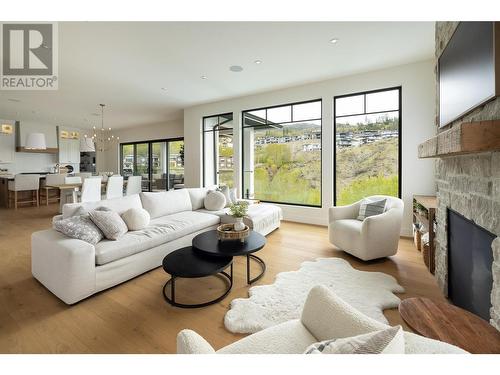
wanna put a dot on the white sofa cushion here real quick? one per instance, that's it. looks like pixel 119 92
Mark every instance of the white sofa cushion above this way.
pixel 260 217
pixel 197 196
pixel 119 205
pixel 160 230
pixel 136 218
pixel 166 202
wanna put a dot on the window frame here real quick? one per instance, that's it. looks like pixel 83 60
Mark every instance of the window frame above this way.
pixel 400 122
pixel 320 119
pixel 203 131
pixel 150 156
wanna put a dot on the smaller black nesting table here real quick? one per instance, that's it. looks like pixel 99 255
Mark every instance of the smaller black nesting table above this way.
pixel 189 263
pixel 209 243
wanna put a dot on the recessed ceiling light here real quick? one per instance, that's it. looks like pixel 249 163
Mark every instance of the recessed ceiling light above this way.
pixel 236 68
pixel 334 40
pixel 258 62
pixel 164 88
pixel 203 77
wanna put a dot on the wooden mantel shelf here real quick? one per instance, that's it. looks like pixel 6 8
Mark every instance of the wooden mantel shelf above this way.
pixel 465 138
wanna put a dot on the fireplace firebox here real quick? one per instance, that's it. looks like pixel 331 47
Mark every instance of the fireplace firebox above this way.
pixel 470 259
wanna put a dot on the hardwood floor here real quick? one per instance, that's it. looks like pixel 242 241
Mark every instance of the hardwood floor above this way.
pixel 133 317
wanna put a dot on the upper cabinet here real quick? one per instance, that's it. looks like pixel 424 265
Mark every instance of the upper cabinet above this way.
pixel 69 145
pixel 7 141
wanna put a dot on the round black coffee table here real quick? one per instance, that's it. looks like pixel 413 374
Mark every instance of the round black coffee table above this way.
pixel 209 243
pixel 188 263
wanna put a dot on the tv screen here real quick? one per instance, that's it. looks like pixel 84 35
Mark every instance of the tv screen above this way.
pixel 466 70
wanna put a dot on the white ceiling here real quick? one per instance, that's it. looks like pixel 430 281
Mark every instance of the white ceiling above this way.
pixel 125 65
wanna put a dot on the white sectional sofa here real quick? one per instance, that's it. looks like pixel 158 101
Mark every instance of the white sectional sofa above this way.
pixel 73 269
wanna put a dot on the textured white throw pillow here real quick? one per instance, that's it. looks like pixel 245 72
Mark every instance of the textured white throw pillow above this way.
pixel 386 341
pixel 232 195
pixel 215 201
pixel 227 194
pixel 136 218
pixel 110 223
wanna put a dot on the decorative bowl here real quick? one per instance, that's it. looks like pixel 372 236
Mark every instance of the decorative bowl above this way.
pixel 227 232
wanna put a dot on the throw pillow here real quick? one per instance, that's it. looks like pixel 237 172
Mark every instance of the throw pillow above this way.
pixel 215 201
pixel 136 218
pixel 232 195
pixel 227 194
pixel 370 207
pixel 110 223
pixel 79 227
pixel 386 341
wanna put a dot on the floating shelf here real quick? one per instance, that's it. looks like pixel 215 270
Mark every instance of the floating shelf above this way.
pixel 465 138
pixel 46 151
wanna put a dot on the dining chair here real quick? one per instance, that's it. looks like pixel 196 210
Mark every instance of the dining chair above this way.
pixel 48 187
pixel 24 182
pixel 134 185
pixel 114 187
pixel 69 180
pixel 91 190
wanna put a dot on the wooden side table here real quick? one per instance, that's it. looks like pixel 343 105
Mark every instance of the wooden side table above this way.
pixel 446 322
pixel 429 204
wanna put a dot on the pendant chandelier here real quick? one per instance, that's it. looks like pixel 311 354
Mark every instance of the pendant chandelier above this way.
pixel 103 138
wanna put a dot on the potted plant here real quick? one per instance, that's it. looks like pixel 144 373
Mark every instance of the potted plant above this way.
pixel 238 210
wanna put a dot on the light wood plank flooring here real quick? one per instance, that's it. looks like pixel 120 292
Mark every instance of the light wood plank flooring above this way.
pixel 133 317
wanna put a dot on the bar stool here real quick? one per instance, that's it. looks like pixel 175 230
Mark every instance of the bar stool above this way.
pixel 24 182
pixel 47 187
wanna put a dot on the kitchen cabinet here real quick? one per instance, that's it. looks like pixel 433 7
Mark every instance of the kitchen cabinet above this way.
pixel 7 148
pixel 7 144
pixel 4 192
pixel 69 151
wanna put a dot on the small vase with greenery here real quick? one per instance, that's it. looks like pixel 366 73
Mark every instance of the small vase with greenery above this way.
pixel 238 210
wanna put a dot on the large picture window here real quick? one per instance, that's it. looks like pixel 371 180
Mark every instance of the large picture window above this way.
pixel 218 152
pixel 160 163
pixel 367 145
pixel 282 154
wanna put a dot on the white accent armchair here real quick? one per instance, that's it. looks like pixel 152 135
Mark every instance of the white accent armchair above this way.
pixel 325 316
pixel 375 237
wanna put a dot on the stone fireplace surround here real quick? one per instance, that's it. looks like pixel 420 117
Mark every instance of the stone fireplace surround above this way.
pixel 470 185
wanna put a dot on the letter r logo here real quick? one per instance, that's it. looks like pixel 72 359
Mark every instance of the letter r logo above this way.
pixel 27 49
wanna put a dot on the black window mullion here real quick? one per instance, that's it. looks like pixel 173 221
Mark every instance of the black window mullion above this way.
pixel 167 169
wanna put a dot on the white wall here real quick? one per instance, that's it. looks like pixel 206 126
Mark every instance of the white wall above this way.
pixel 418 103
pixel 110 161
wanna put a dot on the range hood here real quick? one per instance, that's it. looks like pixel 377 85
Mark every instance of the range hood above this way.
pixel 25 132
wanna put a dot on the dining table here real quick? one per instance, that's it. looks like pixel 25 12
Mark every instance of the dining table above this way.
pixel 65 189
pixel 72 191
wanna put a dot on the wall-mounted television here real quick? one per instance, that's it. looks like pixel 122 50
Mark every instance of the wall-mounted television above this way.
pixel 469 69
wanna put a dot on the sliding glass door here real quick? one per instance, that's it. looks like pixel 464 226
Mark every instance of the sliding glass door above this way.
pixel 159 163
